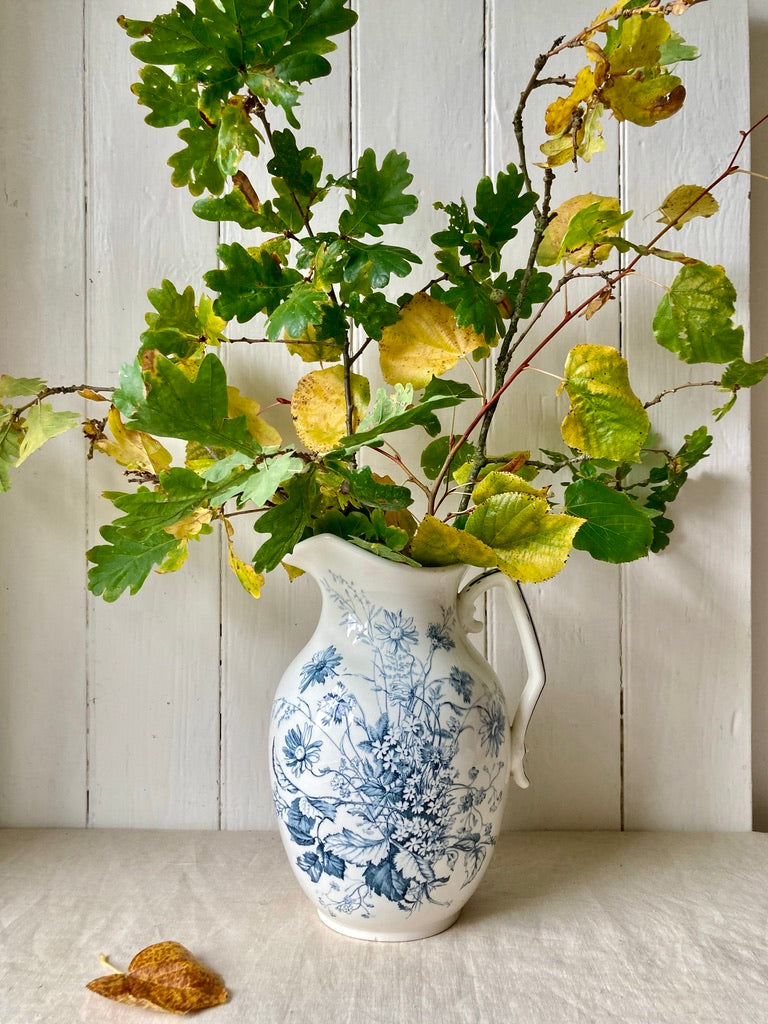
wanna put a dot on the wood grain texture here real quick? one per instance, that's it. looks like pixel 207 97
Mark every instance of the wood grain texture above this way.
pixel 153 660
pixel 157 713
pixel 42 533
pixel 687 613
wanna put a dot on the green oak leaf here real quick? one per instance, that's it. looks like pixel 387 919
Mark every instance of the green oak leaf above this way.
pixel 300 169
pixel 131 392
pixel 522 300
pixel 501 210
pixel 175 328
pixel 303 307
pixel 170 101
pixel 373 313
pixel 377 195
pixel 124 564
pixel 11 436
pixel 197 165
pixel 20 387
pixel 387 405
pixel 458 234
pixel 606 419
pixel 741 374
pixel 616 528
pixel 251 282
pixel 531 544
pixel 193 410
pixel 233 207
pixel 591 230
pixel 371 266
pixel 42 423
pixel 366 489
pixel 287 522
pixel 270 88
pixel 263 481
pixel 237 136
pixel 667 481
pixel 695 317
pixel 473 301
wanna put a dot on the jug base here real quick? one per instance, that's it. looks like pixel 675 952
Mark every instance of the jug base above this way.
pixel 370 934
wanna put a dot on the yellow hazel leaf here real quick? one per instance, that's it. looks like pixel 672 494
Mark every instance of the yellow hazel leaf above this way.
pixel 239 405
pixel 439 543
pixel 319 410
pixel 164 976
pixel 686 202
pixel 424 343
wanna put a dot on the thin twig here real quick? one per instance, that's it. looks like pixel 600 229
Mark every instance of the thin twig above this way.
pixel 679 387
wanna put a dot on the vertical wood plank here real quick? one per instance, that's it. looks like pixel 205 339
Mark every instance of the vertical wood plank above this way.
pixel 42 603
pixel 687 638
pixel 153 659
pixel 574 740
pixel 758 40
pixel 259 639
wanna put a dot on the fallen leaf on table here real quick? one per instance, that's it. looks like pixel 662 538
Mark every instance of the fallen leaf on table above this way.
pixel 165 976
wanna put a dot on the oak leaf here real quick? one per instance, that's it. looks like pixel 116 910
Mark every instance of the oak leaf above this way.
pixel 164 976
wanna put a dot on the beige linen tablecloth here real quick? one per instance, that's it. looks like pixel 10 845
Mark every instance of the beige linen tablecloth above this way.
pixel 637 928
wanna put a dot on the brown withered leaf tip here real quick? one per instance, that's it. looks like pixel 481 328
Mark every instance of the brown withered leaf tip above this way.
pixel 164 976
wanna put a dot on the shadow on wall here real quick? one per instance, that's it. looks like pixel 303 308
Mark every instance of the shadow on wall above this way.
pixel 758 38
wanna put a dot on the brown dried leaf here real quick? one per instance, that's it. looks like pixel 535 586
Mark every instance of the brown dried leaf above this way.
pixel 164 976
pixel 597 303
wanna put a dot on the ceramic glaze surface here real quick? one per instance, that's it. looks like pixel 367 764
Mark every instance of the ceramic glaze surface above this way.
pixel 390 748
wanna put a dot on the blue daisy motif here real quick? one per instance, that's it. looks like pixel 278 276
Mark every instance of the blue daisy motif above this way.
pixel 300 750
pixel 397 632
pixel 439 637
pixel 336 705
pixel 320 667
pixel 462 682
pixel 493 722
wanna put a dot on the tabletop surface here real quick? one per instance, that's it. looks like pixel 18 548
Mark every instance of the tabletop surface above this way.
pixel 566 927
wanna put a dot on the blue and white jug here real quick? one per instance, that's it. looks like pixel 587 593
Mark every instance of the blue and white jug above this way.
pixel 390 745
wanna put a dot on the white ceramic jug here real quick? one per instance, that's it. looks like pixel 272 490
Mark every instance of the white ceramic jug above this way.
pixel 391 751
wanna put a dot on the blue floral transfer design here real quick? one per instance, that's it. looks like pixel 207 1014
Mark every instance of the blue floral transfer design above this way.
pixel 375 800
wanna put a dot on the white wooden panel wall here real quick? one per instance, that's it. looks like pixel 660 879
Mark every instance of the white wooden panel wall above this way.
pixel 153 712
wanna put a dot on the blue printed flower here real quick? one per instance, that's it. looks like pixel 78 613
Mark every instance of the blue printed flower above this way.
pixel 439 637
pixel 397 632
pixel 462 682
pixel 319 667
pixel 300 750
pixel 493 722
pixel 336 705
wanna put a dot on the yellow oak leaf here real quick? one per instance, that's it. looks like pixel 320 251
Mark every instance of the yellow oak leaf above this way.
pixel 424 343
pixel 133 449
pixel 191 525
pixel 239 405
pixel 319 409
pixel 560 112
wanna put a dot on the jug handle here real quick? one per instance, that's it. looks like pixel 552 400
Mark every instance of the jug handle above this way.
pixel 534 661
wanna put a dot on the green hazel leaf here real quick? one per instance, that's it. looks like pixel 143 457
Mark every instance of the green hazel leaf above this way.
pixel 124 564
pixel 501 210
pixel 10 440
pixel 531 544
pixel 251 282
pixel 373 313
pixel 438 394
pixel 263 481
pixel 287 522
pixel 193 410
pixel 170 101
pixel 371 492
pixel 592 229
pixel 233 207
pixel 20 387
pixel 237 136
pixel 434 455
pixel 606 419
pixel 303 307
pixel 197 166
pixel 377 195
pixel 42 424
pixel 616 528
pixel 741 374
pixel 695 317
pixel 438 543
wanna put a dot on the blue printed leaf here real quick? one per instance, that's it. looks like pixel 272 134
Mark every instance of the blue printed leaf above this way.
pixel 385 880
pixel 356 848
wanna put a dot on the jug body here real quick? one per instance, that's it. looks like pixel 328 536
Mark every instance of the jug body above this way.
pixel 389 747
